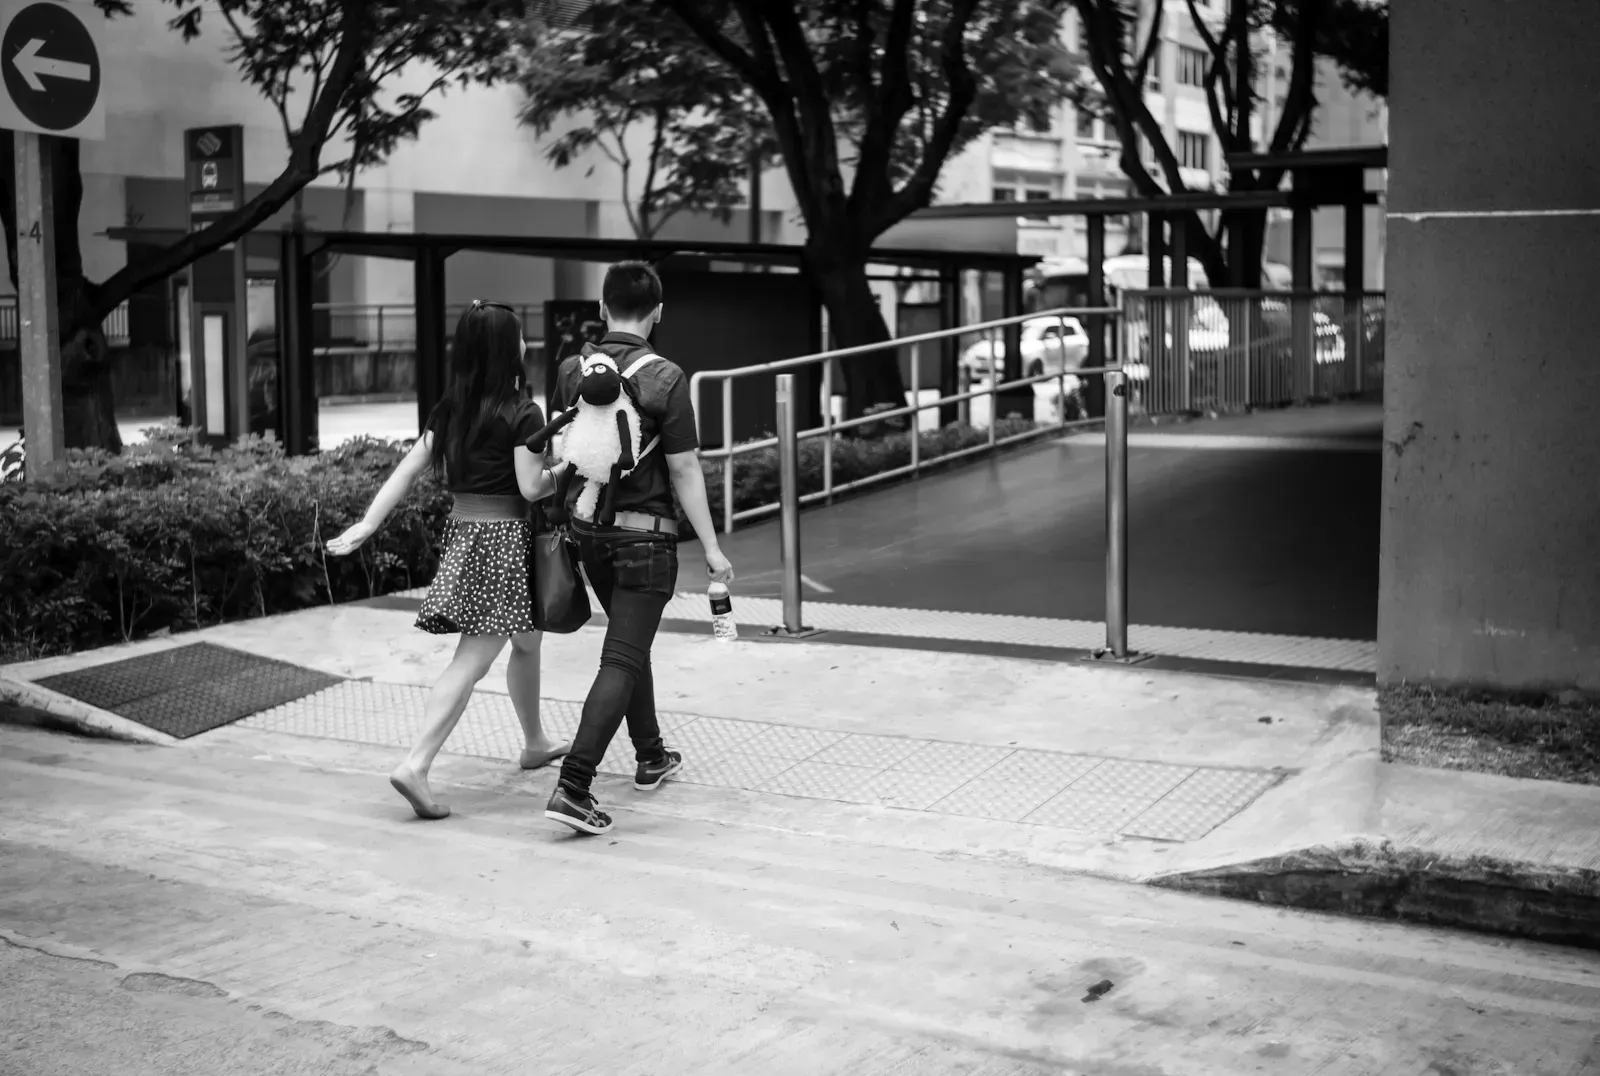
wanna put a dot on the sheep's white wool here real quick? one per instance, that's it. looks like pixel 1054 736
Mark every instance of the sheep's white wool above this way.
pixel 589 442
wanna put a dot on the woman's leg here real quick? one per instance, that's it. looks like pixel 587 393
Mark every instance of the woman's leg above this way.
pixel 522 683
pixel 446 703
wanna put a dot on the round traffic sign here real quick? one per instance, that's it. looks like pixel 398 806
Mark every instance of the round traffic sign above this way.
pixel 50 66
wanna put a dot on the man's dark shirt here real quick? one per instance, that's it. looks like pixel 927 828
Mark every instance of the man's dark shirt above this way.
pixel 664 409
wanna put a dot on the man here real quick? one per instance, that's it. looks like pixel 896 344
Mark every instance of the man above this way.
pixel 633 565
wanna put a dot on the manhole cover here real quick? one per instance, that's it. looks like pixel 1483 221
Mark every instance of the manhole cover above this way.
pixel 190 689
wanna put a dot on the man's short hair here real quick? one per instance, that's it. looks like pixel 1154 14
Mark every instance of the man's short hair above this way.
pixel 631 291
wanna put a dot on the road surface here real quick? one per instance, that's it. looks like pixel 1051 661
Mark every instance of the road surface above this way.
pixel 1263 524
pixel 266 906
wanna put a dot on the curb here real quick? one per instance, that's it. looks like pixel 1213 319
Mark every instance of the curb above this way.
pixel 1376 879
pixel 78 716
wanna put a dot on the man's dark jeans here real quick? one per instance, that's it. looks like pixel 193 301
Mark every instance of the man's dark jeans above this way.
pixel 633 575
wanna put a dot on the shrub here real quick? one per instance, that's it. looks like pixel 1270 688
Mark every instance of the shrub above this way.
pixel 175 536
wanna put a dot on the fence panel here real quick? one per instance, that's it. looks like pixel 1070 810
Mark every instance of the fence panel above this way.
pixel 1238 349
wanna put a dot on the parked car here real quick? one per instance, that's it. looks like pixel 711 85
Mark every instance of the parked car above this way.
pixel 1048 345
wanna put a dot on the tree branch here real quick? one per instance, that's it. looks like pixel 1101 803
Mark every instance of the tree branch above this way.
pixel 918 190
pixel 1215 76
pixel 304 156
pixel 1152 43
pixel 885 110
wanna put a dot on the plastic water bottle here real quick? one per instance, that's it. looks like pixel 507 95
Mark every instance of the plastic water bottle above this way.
pixel 722 626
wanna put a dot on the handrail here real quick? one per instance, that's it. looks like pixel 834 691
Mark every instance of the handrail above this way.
pixel 788 438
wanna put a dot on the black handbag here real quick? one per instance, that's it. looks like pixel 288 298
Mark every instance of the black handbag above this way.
pixel 560 600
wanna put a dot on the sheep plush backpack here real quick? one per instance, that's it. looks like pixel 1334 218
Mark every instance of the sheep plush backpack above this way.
pixel 598 437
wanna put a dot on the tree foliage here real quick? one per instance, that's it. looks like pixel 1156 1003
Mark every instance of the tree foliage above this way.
pixel 1121 36
pixel 623 70
pixel 886 91
pixel 328 67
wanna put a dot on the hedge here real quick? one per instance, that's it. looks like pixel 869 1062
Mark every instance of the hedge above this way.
pixel 171 536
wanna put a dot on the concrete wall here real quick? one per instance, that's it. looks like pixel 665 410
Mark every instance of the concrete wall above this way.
pixel 1491 520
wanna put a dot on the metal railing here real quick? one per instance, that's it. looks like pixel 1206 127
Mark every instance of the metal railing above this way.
pixel 789 436
pixel 1249 348
pixel 115 326
pixel 992 387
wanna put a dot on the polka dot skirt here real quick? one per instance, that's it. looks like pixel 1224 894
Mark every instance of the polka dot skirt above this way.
pixel 482 584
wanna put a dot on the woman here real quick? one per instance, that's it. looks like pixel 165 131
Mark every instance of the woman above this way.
pixel 474 440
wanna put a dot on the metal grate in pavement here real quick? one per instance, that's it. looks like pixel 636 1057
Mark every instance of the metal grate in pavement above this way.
pixel 186 690
pixel 1353 655
pixel 1043 788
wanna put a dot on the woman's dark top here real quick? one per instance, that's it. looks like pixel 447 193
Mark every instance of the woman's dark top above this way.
pixel 488 468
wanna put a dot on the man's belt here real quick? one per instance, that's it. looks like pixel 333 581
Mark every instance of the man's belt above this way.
pixel 644 521
pixel 641 521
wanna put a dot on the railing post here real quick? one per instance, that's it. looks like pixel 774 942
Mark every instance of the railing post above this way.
pixel 916 402
pixel 1117 515
pixel 380 329
pixel 789 510
pixel 963 386
pixel 727 458
pixel 1355 335
pixel 827 427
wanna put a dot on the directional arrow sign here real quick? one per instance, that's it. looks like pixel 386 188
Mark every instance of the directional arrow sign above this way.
pixel 31 65
pixel 50 68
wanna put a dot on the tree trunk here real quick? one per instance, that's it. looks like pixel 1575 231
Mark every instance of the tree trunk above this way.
pixel 871 382
pixel 88 417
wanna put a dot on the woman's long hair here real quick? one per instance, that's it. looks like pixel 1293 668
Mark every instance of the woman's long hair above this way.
pixel 485 363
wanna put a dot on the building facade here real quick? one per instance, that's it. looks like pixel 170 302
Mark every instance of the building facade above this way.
pixel 1079 157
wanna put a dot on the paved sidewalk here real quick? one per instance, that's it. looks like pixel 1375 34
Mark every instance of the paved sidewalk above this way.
pixel 1125 772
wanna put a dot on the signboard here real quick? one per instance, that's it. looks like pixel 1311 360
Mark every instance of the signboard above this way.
pixel 50 68
pixel 214 172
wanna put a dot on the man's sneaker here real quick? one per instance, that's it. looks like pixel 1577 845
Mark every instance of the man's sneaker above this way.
pixel 583 815
pixel 649 775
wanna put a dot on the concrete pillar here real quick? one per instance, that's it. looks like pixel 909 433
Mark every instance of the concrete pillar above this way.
pixel 1490 569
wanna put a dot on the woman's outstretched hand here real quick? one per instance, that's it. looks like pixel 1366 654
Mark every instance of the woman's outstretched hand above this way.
pixel 351 540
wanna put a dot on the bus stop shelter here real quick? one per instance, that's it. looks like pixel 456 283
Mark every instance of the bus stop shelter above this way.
pixel 716 332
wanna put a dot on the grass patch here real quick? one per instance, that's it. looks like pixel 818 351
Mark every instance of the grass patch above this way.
pixel 1549 739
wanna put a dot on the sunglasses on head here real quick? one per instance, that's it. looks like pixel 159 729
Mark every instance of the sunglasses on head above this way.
pixel 479 304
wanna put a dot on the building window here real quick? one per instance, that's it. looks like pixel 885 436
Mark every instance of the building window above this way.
pixel 1192 64
pixel 1004 194
pixel 1036 194
pixel 1086 124
pixel 1194 150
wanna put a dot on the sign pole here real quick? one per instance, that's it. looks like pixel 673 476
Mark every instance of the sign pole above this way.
pixel 37 339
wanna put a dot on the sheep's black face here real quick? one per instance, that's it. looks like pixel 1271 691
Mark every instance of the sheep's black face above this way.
pixel 601 384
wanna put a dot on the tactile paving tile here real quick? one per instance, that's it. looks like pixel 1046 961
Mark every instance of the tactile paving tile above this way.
pixel 1016 785
pixel 1223 786
pixel 710 736
pixel 733 769
pixel 192 689
pixel 388 715
pixel 788 741
pixel 825 780
pixel 859 750
pixel 1147 781
pixel 956 759
pixel 913 791
pixel 1355 655
pixel 1086 811
pixel 1141 799
pixel 1179 820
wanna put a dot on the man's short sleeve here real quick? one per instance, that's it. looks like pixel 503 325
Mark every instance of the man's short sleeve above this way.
pixel 528 421
pixel 676 420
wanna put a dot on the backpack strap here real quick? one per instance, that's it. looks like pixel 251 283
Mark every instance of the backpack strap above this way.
pixel 627 375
